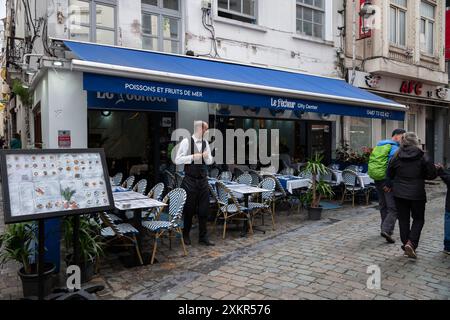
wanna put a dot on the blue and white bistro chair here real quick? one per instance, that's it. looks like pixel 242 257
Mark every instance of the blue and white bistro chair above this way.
pixel 226 176
pixel 244 178
pixel 175 200
pixel 230 208
pixel 141 186
pixel 117 179
pixel 267 199
pixel 120 235
pixel 128 183
pixel 156 194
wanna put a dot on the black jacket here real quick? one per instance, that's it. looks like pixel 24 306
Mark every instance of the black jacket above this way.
pixel 445 176
pixel 408 170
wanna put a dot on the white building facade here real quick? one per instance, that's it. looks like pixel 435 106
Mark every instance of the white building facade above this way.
pixel 402 58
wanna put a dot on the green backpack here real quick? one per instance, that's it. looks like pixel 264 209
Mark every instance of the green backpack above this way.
pixel 378 162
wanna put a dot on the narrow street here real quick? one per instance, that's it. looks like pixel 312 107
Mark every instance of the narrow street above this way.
pixel 302 259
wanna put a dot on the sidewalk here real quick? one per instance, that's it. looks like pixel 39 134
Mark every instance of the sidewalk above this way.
pixel 327 259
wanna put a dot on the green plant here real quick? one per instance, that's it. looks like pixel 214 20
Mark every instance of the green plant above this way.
pixel 16 245
pixel 24 93
pixel 315 168
pixel 67 194
pixel 346 154
pixel 91 245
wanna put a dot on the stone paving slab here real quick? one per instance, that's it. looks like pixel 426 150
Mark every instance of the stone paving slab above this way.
pixel 302 259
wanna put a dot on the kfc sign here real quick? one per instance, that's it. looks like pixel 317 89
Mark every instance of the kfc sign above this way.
pixel 411 87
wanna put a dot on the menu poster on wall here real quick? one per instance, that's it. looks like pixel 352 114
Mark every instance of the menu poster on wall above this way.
pixel 49 183
pixel 64 139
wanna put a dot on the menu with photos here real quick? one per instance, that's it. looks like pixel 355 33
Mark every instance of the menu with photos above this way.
pixel 47 183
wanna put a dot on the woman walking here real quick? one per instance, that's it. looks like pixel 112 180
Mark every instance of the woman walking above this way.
pixel 408 171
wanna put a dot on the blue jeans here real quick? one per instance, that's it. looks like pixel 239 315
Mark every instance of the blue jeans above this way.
pixel 447 231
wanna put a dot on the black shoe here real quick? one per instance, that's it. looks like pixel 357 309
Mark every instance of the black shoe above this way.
pixel 206 242
pixel 388 237
pixel 187 241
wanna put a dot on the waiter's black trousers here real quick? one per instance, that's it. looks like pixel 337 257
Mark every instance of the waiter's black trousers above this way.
pixel 197 202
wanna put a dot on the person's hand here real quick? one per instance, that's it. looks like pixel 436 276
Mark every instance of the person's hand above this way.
pixel 197 156
pixel 205 154
pixel 387 189
pixel 439 166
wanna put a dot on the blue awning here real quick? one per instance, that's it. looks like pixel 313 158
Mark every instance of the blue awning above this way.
pixel 138 72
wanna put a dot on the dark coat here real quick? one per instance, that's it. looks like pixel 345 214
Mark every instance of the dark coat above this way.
pixel 408 170
pixel 445 176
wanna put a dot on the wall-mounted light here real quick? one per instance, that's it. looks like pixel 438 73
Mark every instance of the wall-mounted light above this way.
pixel 57 63
pixel 106 113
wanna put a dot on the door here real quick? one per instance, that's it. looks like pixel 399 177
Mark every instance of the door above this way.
pixel 37 126
pixel 319 140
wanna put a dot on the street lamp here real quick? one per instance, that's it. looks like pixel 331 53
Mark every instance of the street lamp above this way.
pixel 366 12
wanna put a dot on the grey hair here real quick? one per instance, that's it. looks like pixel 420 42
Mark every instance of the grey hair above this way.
pixel 410 139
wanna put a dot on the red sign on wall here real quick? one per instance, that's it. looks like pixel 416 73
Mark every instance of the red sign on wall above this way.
pixel 409 87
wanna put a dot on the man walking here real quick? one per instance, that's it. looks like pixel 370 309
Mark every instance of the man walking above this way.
pixel 378 164
pixel 195 154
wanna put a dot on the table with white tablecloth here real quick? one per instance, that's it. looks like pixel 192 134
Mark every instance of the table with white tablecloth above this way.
pixel 363 178
pixel 290 183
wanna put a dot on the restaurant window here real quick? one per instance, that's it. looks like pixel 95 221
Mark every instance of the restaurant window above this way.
pixel 93 21
pixel 360 133
pixel 161 25
pixel 397 28
pixel 240 10
pixel 412 122
pixel 311 18
pixel 427 13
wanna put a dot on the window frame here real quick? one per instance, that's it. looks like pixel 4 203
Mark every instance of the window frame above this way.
pixel 313 8
pixel 93 19
pixel 428 21
pixel 162 13
pixel 398 8
pixel 254 18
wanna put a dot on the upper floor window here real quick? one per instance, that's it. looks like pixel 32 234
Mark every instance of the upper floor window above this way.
pixel 397 19
pixel 161 25
pixel 311 18
pixel 241 10
pixel 93 21
pixel 427 17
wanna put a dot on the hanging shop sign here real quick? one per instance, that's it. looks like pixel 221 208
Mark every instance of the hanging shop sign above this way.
pixel 119 85
pixel 42 184
pixel 131 102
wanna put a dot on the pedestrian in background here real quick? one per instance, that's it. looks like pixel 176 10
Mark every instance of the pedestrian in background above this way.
pixel 445 176
pixel 408 170
pixel 16 142
pixel 378 164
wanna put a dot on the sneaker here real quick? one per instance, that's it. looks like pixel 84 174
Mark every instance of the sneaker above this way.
pixel 388 237
pixel 206 242
pixel 409 250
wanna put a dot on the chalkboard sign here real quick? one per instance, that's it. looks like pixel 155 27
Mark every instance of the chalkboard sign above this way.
pixel 42 184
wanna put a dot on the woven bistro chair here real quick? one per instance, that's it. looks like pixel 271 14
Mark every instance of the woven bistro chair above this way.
pixel 117 179
pixel 128 183
pixel 238 172
pixel 230 208
pixel 175 200
pixel 256 178
pixel 245 178
pixel 123 233
pixel 267 200
pixel 281 196
pixel 225 176
pixel 351 187
pixel 141 186
pixel 156 194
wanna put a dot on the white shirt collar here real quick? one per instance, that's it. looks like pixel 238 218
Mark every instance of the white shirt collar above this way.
pixel 195 139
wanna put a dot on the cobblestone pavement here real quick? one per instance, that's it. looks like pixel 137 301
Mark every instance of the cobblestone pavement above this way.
pixel 302 259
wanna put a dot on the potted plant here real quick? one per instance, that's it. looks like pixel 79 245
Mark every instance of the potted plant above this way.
pixel 90 246
pixel 318 189
pixel 18 244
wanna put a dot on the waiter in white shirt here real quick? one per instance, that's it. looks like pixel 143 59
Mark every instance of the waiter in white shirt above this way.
pixel 195 154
